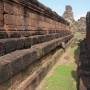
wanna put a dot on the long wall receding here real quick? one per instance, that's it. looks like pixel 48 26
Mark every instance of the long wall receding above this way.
pixel 29 31
pixel 28 17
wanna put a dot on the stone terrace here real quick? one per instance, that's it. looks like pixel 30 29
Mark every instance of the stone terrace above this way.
pixel 28 32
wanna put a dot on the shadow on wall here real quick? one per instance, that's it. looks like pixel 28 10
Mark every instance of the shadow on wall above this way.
pixel 81 55
pixel 76 57
pixel 75 73
pixel 3 35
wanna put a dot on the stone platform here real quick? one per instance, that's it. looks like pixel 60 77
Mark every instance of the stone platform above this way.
pixel 29 31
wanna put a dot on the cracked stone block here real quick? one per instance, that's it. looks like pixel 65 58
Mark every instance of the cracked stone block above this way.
pixel 29 58
pixel 27 43
pixel 20 43
pixel 9 45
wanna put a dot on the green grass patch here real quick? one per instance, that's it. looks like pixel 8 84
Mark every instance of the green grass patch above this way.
pixel 63 78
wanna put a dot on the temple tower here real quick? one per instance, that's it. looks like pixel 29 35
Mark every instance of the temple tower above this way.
pixel 68 14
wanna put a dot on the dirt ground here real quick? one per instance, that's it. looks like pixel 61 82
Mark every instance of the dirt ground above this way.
pixel 63 74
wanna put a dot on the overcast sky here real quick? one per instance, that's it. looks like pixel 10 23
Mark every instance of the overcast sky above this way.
pixel 80 7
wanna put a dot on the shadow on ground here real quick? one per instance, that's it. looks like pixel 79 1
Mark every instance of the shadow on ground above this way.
pixel 76 57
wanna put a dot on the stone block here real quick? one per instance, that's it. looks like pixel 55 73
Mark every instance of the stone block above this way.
pixel 27 43
pixel 19 10
pixel 8 7
pixel 20 43
pixel 20 20
pixel 1 7
pixel 38 39
pixel 17 65
pixel 14 20
pixel 2 49
pixel 10 65
pixel 48 47
pixel 21 29
pixel 9 19
pixel 49 37
pixel 3 34
pixel 30 57
pixel 41 38
pixel 14 34
pixel 1 20
pixel 9 45
pixel 5 72
pixel 34 40
pixel 15 62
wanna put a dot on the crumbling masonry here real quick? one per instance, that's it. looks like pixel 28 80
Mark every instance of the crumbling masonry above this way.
pixel 28 31
pixel 84 62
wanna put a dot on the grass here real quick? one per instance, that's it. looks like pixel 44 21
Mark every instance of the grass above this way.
pixel 64 76
pixel 62 79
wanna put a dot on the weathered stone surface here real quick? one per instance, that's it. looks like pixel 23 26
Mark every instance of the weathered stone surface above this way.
pixel 30 57
pixel 68 14
pixel 18 60
pixel 81 24
pixel 84 62
pixel 1 7
pixel 27 15
pixel 9 19
pixel 2 50
pixel 27 42
pixel 21 43
pixel 8 7
pixel 75 25
pixel 1 20
pixel 8 45
pixel 3 34
pixel 88 29
pixel 20 18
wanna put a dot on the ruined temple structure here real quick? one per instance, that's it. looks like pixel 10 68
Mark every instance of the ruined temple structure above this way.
pixel 18 19
pixel 68 14
pixel 28 32
pixel 81 24
pixel 84 62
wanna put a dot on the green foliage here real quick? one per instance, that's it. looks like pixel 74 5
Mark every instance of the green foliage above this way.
pixel 62 79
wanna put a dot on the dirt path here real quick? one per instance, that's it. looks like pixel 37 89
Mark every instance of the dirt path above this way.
pixel 63 74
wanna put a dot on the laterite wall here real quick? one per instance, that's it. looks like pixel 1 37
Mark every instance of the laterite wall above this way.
pixel 84 62
pixel 28 17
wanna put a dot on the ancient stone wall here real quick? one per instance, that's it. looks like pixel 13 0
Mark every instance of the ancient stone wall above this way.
pixel 27 17
pixel 88 29
pixel 29 32
pixel 81 24
pixel 84 62
pixel 68 14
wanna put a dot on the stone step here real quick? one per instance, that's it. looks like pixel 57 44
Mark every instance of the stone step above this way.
pixel 20 33
pixel 14 62
pixel 12 44
pixel 30 78
pixel 32 82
